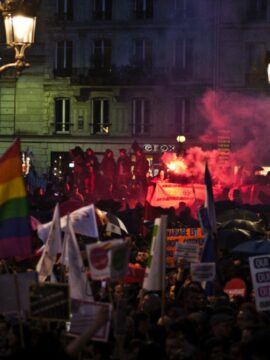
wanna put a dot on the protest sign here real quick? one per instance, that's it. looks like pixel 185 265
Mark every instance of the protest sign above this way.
pixel 235 287
pixel 260 275
pixel 108 259
pixel 203 271
pixel 49 301
pixel 189 252
pixel 14 296
pixel 193 236
pixel 84 314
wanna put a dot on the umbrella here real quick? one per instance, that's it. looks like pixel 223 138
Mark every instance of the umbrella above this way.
pixel 115 225
pixel 111 223
pixel 257 247
pixel 254 227
pixel 229 238
pixel 237 213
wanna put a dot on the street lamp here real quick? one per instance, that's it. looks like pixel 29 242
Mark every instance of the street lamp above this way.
pixel 20 22
pixel 181 139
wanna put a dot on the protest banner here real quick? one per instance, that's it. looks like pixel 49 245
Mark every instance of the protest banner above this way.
pixel 50 301
pixel 166 195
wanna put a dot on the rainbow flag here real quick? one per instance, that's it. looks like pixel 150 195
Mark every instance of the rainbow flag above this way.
pixel 15 228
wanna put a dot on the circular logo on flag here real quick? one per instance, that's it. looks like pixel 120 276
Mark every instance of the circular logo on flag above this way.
pixel 99 258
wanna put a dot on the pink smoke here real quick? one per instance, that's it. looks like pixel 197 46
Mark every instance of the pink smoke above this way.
pixel 245 119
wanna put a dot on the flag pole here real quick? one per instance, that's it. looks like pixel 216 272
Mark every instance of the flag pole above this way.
pixel 18 300
pixel 163 264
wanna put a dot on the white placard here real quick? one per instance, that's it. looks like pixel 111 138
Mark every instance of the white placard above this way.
pixel 203 271
pixel 189 252
pixel 85 315
pixel 260 274
pixel 14 294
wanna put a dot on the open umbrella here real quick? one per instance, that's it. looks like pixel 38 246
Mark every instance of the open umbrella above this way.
pixel 254 227
pixel 115 225
pixel 229 238
pixel 110 223
pixel 257 247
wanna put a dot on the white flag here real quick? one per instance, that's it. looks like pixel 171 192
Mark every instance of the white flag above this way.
pixel 80 288
pixel 52 247
pixel 83 221
pixel 154 279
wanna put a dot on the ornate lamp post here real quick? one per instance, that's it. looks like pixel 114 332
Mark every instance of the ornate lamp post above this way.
pixel 181 139
pixel 20 22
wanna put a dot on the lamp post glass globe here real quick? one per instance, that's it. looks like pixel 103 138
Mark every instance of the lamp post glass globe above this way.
pixel 181 139
pixel 20 29
pixel 20 23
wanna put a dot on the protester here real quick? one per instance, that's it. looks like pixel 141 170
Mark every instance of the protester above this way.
pixel 161 177
pixel 91 171
pixel 76 195
pixel 123 169
pixel 141 167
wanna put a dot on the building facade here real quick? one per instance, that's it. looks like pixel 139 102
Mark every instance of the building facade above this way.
pixel 106 73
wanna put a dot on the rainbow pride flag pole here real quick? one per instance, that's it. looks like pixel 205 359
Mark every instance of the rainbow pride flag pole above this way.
pixel 15 228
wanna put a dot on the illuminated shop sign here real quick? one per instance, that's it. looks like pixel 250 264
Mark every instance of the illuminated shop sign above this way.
pixel 158 148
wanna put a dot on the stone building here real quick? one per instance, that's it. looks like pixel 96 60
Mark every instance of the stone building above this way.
pixel 106 73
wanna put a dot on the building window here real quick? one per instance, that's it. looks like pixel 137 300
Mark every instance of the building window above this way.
pixel 183 57
pixel 102 10
pixel 101 116
pixel 183 8
pixel 102 56
pixel 62 115
pixel 143 9
pixel 182 115
pixel 64 9
pixel 64 58
pixel 142 53
pixel 257 10
pixel 256 63
pixel 140 116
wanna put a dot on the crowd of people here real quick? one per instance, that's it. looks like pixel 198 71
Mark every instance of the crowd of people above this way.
pixel 185 323
pixel 109 177
pixel 92 179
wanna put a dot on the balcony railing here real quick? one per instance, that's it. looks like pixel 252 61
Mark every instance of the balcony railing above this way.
pixel 123 75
